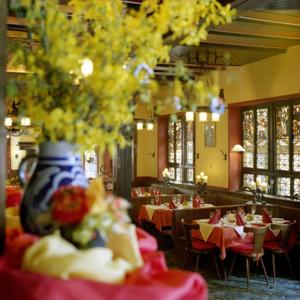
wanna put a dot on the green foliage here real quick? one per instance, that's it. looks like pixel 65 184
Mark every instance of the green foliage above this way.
pixel 92 110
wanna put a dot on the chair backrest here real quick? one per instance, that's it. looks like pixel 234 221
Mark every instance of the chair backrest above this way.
pixel 187 229
pixel 285 232
pixel 258 237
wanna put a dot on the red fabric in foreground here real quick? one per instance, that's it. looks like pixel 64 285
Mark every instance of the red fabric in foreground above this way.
pixel 152 281
pixel 13 195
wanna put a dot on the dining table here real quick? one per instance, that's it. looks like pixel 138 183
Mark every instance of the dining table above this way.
pixel 226 233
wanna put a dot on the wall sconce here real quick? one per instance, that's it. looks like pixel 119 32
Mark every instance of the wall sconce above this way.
pixel 189 116
pixel 12 126
pixel 238 149
pixel 215 117
pixel 150 126
pixel 202 116
pixel 224 154
pixel 139 125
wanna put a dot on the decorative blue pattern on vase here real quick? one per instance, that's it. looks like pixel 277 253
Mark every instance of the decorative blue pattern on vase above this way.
pixel 50 174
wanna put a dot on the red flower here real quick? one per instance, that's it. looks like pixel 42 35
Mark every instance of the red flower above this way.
pixel 70 204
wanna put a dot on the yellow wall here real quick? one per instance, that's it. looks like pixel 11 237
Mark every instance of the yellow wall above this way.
pixel 272 77
pixel 146 146
pixel 211 161
pixel 275 76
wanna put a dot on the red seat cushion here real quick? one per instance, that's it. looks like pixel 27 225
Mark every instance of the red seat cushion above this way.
pixel 272 245
pixel 242 248
pixel 201 245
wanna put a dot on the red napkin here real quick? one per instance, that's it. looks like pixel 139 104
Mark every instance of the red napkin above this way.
pixel 143 190
pixel 158 201
pixel 215 218
pixel 182 200
pixel 239 220
pixel 172 205
pixel 196 202
pixel 266 218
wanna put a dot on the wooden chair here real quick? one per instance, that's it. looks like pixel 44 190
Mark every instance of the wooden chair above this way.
pixel 253 251
pixel 281 246
pixel 197 247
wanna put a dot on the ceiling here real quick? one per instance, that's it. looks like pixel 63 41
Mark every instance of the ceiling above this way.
pixel 261 29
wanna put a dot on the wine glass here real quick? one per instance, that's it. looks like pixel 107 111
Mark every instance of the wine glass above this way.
pixel 211 213
pixel 271 213
pixel 152 201
pixel 253 210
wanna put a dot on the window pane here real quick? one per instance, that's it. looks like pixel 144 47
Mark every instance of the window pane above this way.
pixel 248 138
pixel 179 174
pixel 282 138
pixel 190 175
pixel 297 186
pixel 296 135
pixel 190 143
pixel 262 140
pixel 247 179
pixel 172 173
pixel 171 149
pixel 178 126
pixel 283 186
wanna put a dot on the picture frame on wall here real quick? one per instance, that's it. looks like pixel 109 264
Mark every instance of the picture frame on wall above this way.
pixel 210 134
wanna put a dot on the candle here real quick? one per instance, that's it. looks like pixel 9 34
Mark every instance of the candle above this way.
pixel 253 185
pixel 205 179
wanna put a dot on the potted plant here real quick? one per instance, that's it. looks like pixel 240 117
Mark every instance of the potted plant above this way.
pixel 84 63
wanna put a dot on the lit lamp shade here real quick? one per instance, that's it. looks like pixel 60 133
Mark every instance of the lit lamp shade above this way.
pixel 25 121
pixel 150 126
pixel 189 116
pixel 87 67
pixel 139 125
pixel 8 122
pixel 202 116
pixel 238 149
pixel 215 117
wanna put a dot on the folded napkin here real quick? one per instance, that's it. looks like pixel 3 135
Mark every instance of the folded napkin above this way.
pixel 196 202
pixel 54 256
pixel 266 218
pixel 240 231
pixel 239 220
pixel 122 240
pixel 172 204
pixel 205 230
pixel 215 218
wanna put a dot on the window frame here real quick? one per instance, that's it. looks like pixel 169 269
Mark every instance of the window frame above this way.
pixel 272 171
pixel 184 165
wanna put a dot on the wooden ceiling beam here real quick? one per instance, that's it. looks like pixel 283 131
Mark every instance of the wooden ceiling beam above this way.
pixel 242 5
pixel 269 18
pixel 259 30
pixel 249 41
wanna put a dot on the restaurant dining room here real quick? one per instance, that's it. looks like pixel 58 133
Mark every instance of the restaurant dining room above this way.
pixel 149 148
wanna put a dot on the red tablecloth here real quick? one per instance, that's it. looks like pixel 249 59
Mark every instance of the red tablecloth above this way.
pixel 152 281
pixel 224 237
pixel 161 217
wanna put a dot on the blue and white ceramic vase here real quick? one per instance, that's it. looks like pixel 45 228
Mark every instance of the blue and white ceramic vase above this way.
pixel 57 165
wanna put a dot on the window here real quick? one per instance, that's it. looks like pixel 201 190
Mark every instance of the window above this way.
pixel 181 150
pixel 271 138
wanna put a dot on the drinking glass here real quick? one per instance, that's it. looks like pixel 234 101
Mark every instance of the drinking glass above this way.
pixel 253 210
pixel 152 201
pixel 211 213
